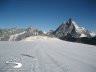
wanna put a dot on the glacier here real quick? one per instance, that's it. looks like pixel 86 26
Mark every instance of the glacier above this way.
pixel 46 55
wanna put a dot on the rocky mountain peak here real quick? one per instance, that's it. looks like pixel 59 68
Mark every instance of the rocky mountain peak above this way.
pixel 72 28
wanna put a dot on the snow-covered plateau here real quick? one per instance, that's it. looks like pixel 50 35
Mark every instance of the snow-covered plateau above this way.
pixel 44 54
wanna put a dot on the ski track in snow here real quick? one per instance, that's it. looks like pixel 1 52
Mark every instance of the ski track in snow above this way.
pixel 48 55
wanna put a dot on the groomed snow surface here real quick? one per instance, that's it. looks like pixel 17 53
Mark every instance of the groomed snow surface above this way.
pixel 47 55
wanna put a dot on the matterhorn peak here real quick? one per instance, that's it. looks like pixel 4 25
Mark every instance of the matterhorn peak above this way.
pixel 73 23
pixel 70 20
pixel 72 28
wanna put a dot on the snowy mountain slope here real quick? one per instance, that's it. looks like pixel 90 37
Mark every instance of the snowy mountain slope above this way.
pixel 13 37
pixel 47 55
pixel 75 25
pixel 93 34
pixel 13 34
pixel 26 33
pixel 83 35
pixel 33 38
pixel 6 33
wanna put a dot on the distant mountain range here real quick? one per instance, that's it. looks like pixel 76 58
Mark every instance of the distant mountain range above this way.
pixel 69 31
pixel 15 34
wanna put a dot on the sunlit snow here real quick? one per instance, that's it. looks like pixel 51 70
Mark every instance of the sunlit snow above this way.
pixel 45 54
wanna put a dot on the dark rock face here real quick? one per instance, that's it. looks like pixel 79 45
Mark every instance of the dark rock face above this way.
pixel 50 33
pixel 85 40
pixel 69 37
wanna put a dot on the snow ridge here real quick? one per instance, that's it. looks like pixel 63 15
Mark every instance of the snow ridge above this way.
pixel 13 37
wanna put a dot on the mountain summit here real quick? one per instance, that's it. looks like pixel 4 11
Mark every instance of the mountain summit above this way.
pixel 71 27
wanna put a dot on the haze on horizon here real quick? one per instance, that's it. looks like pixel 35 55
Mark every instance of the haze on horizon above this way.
pixel 47 14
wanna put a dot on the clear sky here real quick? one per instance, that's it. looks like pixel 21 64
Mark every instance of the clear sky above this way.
pixel 47 14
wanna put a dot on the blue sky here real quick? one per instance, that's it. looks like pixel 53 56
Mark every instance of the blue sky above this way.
pixel 47 14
